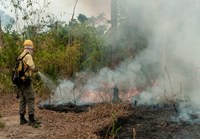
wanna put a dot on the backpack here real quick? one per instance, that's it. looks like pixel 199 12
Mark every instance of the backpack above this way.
pixel 18 71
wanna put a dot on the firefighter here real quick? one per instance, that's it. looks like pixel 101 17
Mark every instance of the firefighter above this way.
pixel 26 90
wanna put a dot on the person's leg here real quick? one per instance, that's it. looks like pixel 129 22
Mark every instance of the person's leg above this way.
pixel 22 107
pixel 30 99
pixel 31 104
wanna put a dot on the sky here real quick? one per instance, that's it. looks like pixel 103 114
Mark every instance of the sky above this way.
pixel 87 7
pixel 65 8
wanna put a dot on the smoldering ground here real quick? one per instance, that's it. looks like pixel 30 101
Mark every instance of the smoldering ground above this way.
pixel 172 32
pixel 170 60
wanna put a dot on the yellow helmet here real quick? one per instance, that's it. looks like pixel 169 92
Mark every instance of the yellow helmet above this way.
pixel 28 44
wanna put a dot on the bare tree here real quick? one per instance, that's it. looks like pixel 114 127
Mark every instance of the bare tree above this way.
pixel 28 13
pixel 70 38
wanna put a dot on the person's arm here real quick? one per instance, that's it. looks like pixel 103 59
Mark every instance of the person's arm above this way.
pixel 29 62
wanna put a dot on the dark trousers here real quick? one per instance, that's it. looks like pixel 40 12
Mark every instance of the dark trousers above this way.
pixel 27 98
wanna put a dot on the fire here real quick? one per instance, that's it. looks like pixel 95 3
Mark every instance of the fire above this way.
pixel 95 96
pixel 106 96
pixel 129 94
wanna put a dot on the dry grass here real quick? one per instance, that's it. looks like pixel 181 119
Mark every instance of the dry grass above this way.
pixel 82 125
pixel 57 125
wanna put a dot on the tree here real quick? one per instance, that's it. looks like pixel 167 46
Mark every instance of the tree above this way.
pixel 30 16
pixel 127 38
pixel 82 18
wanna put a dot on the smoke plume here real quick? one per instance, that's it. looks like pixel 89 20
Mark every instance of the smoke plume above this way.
pixel 171 59
pixel 87 7
pixel 169 66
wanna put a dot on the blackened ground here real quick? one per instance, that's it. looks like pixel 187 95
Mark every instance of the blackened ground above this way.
pixel 66 107
pixel 144 123
pixel 155 123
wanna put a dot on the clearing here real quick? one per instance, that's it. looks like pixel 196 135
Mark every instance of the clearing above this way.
pixel 116 120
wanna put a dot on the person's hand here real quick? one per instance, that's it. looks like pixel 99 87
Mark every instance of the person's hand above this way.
pixel 36 76
pixel 35 70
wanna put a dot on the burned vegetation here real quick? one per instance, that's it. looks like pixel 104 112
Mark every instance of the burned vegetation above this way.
pixel 122 120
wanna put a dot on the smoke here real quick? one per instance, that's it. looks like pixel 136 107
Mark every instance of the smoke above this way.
pixel 87 7
pixel 96 7
pixel 48 82
pixel 167 69
pixel 173 42
pixel 171 59
pixel 62 92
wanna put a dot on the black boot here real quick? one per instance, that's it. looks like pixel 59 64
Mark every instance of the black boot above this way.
pixel 22 119
pixel 32 121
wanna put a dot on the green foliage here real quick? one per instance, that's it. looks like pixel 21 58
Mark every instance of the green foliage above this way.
pixel 114 129
pixel 60 52
pixel 63 49
pixel 82 18
pixel 72 59
pixel 5 82
pixel 36 125
pixel 8 55
pixel 92 46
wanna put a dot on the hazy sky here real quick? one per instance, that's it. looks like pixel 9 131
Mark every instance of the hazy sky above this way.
pixel 87 7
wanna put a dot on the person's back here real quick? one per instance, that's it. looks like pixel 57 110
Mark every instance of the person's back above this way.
pixel 26 91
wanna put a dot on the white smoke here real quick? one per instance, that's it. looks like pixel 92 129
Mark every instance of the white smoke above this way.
pixel 171 59
pixel 48 82
pixel 64 92
pixel 87 7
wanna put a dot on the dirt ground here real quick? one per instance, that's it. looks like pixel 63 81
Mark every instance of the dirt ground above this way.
pixel 59 125
pixel 120 120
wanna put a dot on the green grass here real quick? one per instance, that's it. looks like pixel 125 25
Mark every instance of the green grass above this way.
pixel 36 125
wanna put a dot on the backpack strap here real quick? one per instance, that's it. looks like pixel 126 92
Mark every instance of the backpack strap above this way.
pixel 23 64
pixel 22 57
